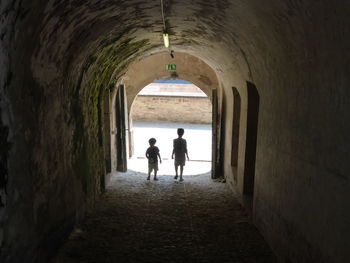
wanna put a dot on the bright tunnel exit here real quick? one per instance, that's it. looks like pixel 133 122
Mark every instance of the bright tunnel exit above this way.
pixel 159 109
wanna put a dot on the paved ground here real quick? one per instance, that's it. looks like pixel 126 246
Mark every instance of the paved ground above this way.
pixel 198 220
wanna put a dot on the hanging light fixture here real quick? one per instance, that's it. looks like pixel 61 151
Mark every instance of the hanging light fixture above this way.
pixel 165 33
pixel 166 39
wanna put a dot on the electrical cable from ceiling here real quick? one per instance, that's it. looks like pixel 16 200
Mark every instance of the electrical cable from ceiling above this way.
pixel 165 33
pixel 162 7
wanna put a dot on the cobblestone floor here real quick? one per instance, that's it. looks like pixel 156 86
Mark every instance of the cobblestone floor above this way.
pixel 197 220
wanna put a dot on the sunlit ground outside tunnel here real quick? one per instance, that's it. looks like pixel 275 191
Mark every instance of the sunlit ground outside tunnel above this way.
pixel 198 138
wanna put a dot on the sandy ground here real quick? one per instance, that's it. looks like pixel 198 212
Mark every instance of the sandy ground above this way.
pixel 198 138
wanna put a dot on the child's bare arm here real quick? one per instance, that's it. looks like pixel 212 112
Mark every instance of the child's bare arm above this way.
pixel 186 150
pixel 160 158
pixel 172 155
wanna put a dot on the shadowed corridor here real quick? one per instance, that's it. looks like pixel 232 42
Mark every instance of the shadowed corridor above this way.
pixel 276 78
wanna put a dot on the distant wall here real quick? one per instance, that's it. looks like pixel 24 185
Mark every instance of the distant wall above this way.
pixel 172 109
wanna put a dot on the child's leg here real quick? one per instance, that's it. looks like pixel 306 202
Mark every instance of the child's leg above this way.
pixel 181 171
pixel 155 174
pixel 176 174
pixel 149 173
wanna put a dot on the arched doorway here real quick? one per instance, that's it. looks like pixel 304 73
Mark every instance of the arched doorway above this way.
pixel 157 111
pixel 145 71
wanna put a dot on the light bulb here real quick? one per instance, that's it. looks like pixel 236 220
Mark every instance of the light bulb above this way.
pixel 166 39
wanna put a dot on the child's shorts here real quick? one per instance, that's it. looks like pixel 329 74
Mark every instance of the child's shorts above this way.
pixel 180 162
pixel 153 166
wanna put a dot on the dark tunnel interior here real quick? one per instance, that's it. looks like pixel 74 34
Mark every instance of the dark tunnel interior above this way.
pixel 62 66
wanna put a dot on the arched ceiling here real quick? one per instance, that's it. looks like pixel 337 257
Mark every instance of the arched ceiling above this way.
pixel 153 67
pixel 79 33
pixel 237 37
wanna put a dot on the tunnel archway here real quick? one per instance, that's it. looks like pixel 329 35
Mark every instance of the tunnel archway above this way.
pixel 158 110
pixel 154 68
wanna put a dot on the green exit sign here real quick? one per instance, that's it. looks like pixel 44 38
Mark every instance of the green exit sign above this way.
pixel 171 66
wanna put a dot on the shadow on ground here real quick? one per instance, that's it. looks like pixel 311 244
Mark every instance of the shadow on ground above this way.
pixel 136 220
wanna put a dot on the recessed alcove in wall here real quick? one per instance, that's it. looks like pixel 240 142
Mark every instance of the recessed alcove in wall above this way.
pixel 235 131
pixel 251 139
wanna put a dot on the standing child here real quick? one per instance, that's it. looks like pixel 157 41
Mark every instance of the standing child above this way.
pixel 152 155
pixel 180 152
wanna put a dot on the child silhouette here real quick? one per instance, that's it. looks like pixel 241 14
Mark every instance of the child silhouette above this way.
pixel 180 152
pixel 152 155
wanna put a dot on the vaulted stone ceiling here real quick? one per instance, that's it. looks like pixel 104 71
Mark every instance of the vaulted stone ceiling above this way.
pixel 111 32
pixel 238 35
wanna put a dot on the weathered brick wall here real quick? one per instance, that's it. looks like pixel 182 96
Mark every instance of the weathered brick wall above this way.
pixel 172 109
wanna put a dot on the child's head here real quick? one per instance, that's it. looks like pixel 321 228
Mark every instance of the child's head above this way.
pixel 152 141
pixel 180 132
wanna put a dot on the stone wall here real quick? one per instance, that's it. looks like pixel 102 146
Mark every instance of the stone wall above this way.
pixel 51 116
pixel 172 109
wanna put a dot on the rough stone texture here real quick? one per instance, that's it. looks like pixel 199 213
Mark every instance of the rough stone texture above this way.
pixel 152 67
pixel 59 58
pixel 166 221
pixel 171 109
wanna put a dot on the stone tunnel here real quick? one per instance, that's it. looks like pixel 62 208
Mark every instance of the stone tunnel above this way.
pixel 277 74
